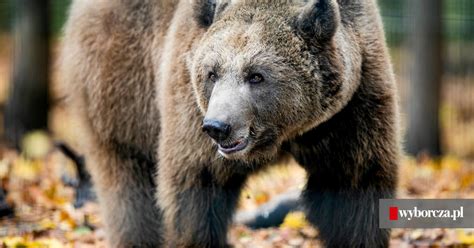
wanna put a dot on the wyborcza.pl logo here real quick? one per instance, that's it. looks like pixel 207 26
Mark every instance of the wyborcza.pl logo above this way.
pixel 417 213
pixel 414 213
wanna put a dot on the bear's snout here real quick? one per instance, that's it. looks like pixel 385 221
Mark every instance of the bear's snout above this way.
pixel 217 130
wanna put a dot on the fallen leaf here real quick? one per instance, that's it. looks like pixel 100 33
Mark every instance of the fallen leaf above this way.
pixel 466 237
pixel 295 220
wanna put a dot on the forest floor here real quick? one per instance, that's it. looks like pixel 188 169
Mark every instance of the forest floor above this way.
pixel 45 216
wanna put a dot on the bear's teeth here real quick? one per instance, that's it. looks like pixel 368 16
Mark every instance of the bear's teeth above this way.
pixel 232 145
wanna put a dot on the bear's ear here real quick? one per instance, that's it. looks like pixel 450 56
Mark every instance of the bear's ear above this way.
pixel 205 11
pixel 319 20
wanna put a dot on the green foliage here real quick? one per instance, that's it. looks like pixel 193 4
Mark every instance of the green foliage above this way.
pixel 458 20
pixel 458 17
pixel 395 20
pixel 5 15
pixel 58 10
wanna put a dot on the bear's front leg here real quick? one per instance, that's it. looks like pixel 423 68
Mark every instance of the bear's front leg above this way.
pixel 351 161
pixel 346 216
pixel 342 197
pixel 198 206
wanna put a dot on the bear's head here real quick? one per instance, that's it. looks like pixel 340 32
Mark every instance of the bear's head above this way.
pixel 264 72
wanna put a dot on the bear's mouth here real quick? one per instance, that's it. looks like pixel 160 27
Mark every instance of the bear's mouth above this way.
pixel 237 146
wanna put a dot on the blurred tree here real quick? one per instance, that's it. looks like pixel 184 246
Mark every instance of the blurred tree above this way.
pixel 28 102
pixel 57 13
pixel 424 93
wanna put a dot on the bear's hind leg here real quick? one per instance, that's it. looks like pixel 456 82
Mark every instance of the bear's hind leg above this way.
pixel 126 193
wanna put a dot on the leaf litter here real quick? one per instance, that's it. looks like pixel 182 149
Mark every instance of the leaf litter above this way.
pixel 45 215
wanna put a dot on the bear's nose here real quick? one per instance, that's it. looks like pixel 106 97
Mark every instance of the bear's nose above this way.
pixel 218 130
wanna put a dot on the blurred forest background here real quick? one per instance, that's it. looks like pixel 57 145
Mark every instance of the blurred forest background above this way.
pixel 456 75
pixel 432 48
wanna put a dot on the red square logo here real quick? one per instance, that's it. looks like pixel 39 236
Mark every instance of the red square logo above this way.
pixel 393 213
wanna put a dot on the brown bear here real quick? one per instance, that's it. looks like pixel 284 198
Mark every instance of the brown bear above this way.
pixel 222 88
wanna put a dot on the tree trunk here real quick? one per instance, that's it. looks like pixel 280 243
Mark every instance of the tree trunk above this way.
pixel 28 102
pixel 423 133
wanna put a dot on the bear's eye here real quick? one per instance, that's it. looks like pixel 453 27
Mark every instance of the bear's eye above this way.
pixel 212 76
pixel 256 78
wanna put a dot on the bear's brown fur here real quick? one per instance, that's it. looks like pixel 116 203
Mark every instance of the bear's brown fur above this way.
pixel 309 79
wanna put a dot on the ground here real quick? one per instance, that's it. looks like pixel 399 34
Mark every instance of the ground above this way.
pixel 45 216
